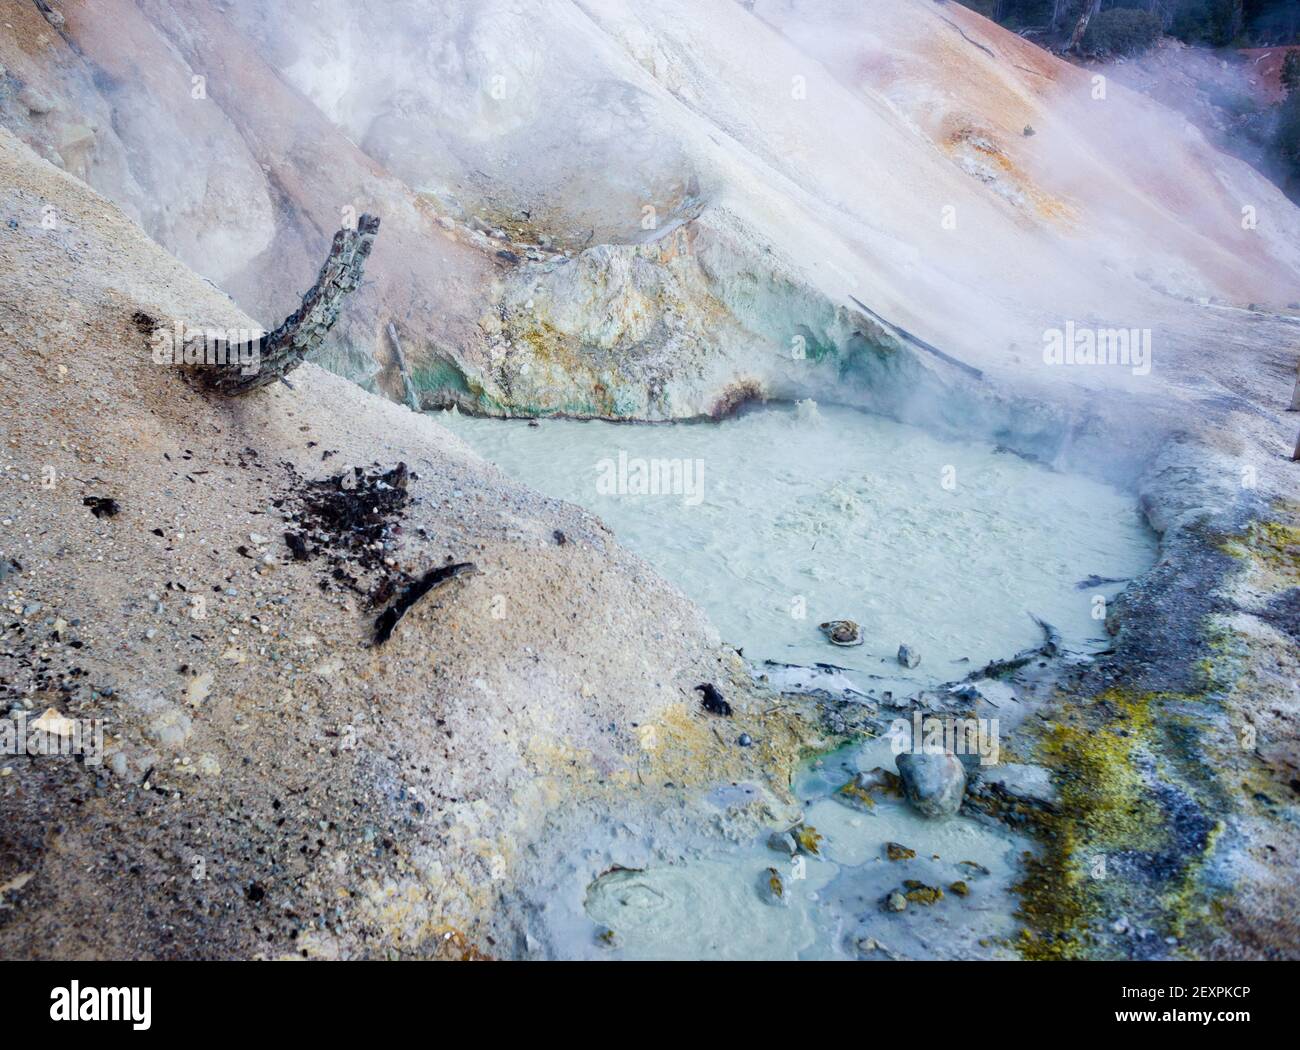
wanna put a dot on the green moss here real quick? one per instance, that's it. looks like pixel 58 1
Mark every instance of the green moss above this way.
pixel 1102 753
pixel 1272 545
pixel 1104 808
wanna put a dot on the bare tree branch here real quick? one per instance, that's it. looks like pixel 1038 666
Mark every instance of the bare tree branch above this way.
pixel 302 331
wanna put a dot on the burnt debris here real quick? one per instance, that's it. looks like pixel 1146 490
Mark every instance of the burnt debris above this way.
pixel 352 520
pixel 431 580
pixel 712 700
pixel 102 506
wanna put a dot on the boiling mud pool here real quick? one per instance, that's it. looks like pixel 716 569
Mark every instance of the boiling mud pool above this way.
pixel 790 517
pixel 774 522
pixel 720 907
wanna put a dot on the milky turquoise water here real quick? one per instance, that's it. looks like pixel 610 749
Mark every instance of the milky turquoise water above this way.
pixel 776 521
pixel 790 516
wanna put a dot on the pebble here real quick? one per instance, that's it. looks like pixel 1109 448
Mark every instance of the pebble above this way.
pixel 783 842
pixel 745 740
pixel 908 657
pixel 896 902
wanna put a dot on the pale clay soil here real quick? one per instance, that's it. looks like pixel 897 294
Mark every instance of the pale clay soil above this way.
pixel 391 837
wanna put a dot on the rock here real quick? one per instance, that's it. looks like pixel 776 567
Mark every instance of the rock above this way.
pixel 783 842
pixel 860 791
pixel 199 688
pixel 895 902
pixel 808 838
pixel 842 632
pixel 1020 781
pixel 960 888
pixel 897 851
pixel 745 740
pixel 908 657
pixel 934 784
pixel 773 888
pixel 920 893
pixel 53 723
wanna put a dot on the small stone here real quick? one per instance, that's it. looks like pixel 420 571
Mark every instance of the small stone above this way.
pixel 54 723
pixel 908 657
pixel 896 902
pixel 808 838
pixel 199 688
pixel 842 632
pixel 783 842
pixel 745 740
pixel 773 887
pixel 960 888
pixel 920 893
pixel 897 851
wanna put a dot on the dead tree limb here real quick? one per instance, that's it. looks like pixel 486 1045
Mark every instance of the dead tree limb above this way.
pixel 302 331
pixel 408 386
pixel 907 338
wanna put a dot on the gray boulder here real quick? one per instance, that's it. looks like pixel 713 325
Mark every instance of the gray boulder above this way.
pixel 908 657
pixel 934 784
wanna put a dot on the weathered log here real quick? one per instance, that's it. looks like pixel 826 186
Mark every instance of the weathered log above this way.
pixel 284 349
pixel 408 385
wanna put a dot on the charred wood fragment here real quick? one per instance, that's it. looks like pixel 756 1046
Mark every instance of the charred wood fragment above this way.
pixel 280 352
pixel 431 580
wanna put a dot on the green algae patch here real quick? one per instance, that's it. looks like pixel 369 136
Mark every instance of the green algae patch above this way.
pixel 1273 546
pixel 1134 784
pixel 1104 808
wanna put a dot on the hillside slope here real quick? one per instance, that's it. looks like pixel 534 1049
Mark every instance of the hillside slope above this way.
pixel 652 211
pixel 273 782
